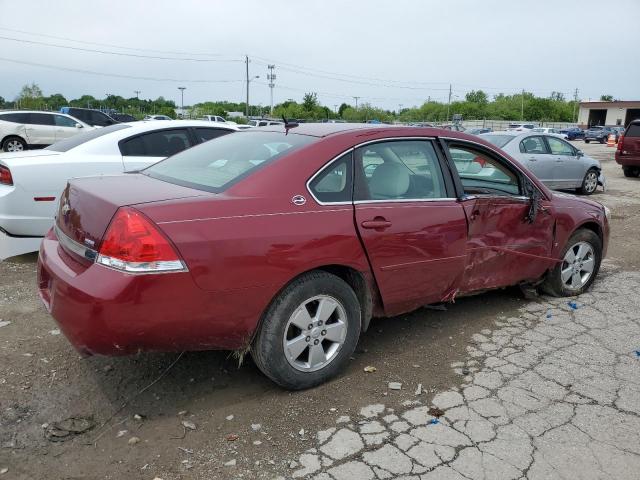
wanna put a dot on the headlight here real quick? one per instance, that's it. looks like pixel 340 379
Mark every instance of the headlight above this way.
pixel 607 212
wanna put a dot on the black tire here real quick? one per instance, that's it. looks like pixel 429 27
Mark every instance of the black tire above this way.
pixel 553 284
pixel 14 144
pixel 268 351
pixel 588 185
pixel 587 141
pixel 603 140
pixel 631 172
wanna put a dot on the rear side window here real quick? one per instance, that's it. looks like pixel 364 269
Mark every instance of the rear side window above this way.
pixel 333 184
pixel 214 166
pixel 15 117
pixel 633 130
pixel 156 144
pixel 399 170
pixel 204 134
pixel 559 147
pixel 41 119
pixel 533 145
pixel 498 140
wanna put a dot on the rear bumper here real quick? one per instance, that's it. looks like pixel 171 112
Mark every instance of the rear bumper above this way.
pixel 627 160
pixel 107 312
pixel 11 246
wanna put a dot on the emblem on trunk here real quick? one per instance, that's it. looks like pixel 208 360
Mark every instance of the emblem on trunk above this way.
pixel 298 200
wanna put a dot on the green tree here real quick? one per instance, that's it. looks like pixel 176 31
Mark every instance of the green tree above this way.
pixel 30 97
pixel 56 101
pixel 477 96
pixel 310 101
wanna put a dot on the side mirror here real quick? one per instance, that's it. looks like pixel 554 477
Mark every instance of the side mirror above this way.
pixel 579 153
pixel 79 125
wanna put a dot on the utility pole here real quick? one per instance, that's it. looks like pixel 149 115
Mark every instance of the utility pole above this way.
pixel 335 108
pixel 522 105
pixel 271 77
pixel 575 105
pixel 449 103
pixel 137 92
pixel 356 99
pixel 182 89
pixel 246 61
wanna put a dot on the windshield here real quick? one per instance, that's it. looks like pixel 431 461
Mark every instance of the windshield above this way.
pixel 498 140
pixel 76 140
pixel 214 166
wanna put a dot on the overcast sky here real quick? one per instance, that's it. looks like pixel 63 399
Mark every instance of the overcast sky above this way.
pixel 386 52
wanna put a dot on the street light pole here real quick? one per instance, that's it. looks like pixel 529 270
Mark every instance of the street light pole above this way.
pixel 356 99
pixel 271 77
pixel 182 89
pixel 137 92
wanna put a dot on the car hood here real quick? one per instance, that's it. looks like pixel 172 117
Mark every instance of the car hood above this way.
pixel 15 158
pixel 572 201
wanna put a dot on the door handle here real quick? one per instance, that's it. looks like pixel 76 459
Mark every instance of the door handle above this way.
pixel 378 223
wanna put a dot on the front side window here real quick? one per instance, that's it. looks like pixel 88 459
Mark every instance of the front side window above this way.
pixel 214 166
pixel 62 121
pixel 533 145
pixel 482 174
pixel 399 170
pixel 204 134
pixel 559 147
pixel 163 143
pixel 333 184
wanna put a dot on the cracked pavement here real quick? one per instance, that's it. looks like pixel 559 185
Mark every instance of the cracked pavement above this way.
pixel 551 393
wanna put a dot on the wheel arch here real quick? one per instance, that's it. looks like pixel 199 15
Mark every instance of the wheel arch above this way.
pixel 595 227
pixel 12 135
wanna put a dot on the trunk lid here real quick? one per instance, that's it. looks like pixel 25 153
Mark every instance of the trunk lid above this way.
pixel 88 204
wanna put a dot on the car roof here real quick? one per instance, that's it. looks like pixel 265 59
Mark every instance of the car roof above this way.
pixel 144 125
pixel 326 129
pixel 31 111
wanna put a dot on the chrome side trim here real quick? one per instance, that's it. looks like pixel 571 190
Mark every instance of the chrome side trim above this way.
pixel 70 244
pixel 407 200
pixel 352 149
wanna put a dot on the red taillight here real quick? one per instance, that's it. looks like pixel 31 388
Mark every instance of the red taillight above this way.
pixel 5 176
pixel 133 243
pixel 620 143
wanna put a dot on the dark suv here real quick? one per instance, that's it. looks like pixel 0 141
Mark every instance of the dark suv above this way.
pixel 628 151
pixel 598 134
pixel 95 118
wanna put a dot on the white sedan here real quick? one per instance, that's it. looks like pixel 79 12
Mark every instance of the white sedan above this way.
pixel 551 131
pixel 31 181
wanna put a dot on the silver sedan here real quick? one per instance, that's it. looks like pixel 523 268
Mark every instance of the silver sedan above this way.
pixel 556 162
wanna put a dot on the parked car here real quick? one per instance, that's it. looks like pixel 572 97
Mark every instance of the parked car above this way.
pixel 156 117
pixel 95 118
pixel 452 126
pixel 618 131
pixel 478 131
pixel 213 118
pixel 22 130
pixel 598 134
pixel 520 127
pixel 572 133
pixel 31 182
pixel 551 131
pixel 265 123
pixel 123 117
pixel 628 151
pixel 557 163
pixel 293 271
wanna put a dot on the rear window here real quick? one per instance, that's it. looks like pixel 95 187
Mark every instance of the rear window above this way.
pixel 633 130
pixel 214 166
pixel 498 140
pixel 76 140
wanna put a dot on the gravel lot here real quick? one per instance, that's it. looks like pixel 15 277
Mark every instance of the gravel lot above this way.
pixel 528 389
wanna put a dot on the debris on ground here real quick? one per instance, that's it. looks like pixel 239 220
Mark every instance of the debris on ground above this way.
pixel 232 437
pixel 370 369
pixel 433 421
pixel 419 389
pixel 637 353
pixel 549 314
pixel 188 424
pixel 121 433
pixel 256 427
pixel 181 413
pixel 230 417
pixel 55 331
pixel 68 428
pixel 395 386
pixel 301 432
pixel 3 471
pixel 465 371
pixel 435 412
pixel 138 417
pixel 573 305
pixel 230 463
pixel 4 323
pixel 133 440
pixel 257 442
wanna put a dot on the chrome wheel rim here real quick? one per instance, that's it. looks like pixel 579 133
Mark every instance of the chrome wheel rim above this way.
pixel 591 182
pixel 14 146
pixel 315 333
pixel 577 266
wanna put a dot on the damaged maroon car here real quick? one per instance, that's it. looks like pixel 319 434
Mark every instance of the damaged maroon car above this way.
pixel 287 241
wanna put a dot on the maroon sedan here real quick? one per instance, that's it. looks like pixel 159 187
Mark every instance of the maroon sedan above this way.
pixel 288 241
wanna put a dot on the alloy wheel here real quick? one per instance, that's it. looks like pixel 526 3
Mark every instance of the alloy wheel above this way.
pixel 315 332
pixel 14 146
pixel 577 266
pixel 591 182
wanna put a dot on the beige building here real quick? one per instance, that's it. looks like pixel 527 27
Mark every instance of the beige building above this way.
pixel 608 113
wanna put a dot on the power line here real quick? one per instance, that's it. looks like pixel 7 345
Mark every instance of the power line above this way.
pixel 116 75
pixel 105 52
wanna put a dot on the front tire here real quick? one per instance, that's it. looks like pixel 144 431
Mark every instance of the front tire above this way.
pixel 14 144
pixel 589 182
pixel 309 332
pixel 580 264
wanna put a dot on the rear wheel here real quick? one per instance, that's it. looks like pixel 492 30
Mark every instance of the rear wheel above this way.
pixel 14 144
pixel 309 331
pixel 631 171
pixel 587 141
pixel 580 264
pixel 603 140
pixel 589 182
